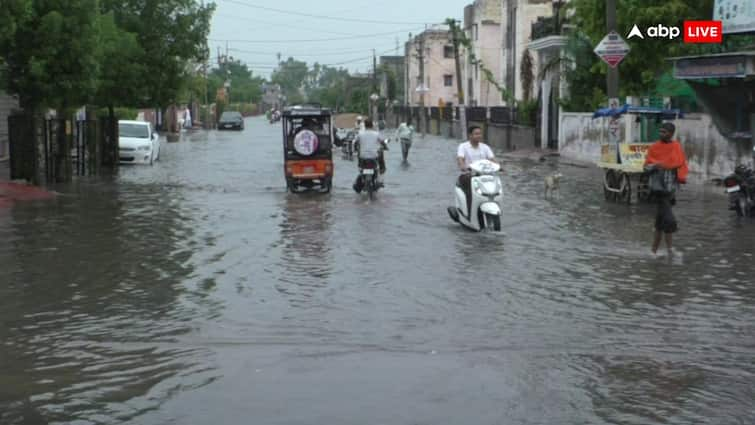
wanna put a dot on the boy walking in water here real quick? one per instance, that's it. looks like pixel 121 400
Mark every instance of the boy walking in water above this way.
pixel 668 166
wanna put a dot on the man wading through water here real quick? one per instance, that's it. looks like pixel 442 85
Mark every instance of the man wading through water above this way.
pixel 667 165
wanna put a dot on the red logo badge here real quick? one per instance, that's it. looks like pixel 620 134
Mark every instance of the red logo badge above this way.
pixel 703 32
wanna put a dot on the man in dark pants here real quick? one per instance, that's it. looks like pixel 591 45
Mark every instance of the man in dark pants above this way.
pixel 667 162
pixel 467 153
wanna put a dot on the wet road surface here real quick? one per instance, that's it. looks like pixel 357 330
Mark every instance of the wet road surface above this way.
pixel 199 291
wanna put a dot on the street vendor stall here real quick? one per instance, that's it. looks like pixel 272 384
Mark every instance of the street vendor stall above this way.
pixel 628 133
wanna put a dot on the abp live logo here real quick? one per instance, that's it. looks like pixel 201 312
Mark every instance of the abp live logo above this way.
pixel 703 32
pixel 694 32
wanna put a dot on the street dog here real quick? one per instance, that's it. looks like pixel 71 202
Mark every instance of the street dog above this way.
pixel 553 184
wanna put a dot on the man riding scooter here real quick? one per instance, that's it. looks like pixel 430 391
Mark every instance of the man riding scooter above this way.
pixel 469 152
pixel 370 146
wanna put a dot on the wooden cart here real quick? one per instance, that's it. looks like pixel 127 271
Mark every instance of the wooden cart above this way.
pixel 627 135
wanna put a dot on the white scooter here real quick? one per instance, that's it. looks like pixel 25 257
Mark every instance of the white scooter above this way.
pixel 487 192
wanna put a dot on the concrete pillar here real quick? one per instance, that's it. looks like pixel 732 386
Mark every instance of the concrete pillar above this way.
pixel 544 112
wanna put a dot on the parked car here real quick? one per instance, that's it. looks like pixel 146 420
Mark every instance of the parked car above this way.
pixel 231 120
pixel 137 143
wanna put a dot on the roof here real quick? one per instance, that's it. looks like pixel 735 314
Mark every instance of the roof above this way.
pixel 716 55
pixel 306 110
pixel 133 122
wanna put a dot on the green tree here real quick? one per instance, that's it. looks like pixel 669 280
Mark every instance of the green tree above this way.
pixel 245 86
pixel 122 69
pixel 648 59
pixel 291 75
pixel 172 35
pixel 50 59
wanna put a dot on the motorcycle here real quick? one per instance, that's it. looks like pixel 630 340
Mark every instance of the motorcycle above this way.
pixel 484 207
pixel 368 177
pixel 741 189
pixel 347 148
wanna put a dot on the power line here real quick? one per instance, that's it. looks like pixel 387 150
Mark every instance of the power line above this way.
pixel 276 24
pixel 326 53
pixel 352 37
pixel 332 18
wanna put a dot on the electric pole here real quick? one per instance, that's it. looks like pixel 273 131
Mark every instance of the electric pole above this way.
pixel 612 83
pixel 374 114
pixel 459 82
pixel 422 85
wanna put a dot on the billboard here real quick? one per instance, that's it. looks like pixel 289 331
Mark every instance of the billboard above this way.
pixel 736 15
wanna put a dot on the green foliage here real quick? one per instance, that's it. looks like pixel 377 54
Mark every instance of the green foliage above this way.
pixel 51 56
pixel 246 109
pixel 173 37
pixel 527 112
pixel 527 74
pixel 648 59
pixel 245 87
pixel 122 70
pixel 292 75
pixel 359 101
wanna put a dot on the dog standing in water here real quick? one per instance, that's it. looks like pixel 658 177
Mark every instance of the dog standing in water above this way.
pixel 553 184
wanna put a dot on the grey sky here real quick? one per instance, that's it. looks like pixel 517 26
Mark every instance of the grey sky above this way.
pixel 242 24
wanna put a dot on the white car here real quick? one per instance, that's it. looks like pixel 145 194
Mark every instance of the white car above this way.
pixel 137 143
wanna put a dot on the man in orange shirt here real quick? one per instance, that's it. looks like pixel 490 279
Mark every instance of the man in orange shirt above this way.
pixel 668 167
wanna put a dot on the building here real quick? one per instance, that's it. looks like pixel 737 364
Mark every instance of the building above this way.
pixel 396 67
pixel 517 19
pixel 482 25
pixel 439 68
pixel 7 105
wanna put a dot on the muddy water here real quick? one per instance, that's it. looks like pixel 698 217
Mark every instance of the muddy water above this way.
pixel 199 291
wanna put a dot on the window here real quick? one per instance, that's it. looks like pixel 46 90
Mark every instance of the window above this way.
pixel 476 32
pixel 476 71
pixel 448 52
pixel 448 80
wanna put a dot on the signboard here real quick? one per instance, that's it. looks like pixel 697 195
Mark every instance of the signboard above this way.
pixel 735 15
pixel 612 49
pixel 608 153
pixel 633 154
pixel 306 142
pixel 711 67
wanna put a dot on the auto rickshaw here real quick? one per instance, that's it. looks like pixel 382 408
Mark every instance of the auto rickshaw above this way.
pixel 308 148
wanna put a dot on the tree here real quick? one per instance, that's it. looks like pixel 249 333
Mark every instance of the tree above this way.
pixel 51 57
pixel 171 33
pixel 120 82
pixel 245 87
pixel 527 74
pixel 648 59
pixel 291 75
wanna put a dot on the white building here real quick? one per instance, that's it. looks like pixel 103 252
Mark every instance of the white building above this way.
pixel 517 17
pixel 482 25
pixel 439 64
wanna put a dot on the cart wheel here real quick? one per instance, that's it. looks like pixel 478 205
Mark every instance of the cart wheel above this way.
pixel 610 180
pixel 626 194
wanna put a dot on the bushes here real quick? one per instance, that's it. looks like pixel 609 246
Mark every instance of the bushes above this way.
pixel 246 109
pixel 527 113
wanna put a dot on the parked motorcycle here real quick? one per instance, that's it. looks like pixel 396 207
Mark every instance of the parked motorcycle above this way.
pixel 487 192
pixel 741 189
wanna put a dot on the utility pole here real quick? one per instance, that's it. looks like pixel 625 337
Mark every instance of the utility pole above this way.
pixel 612 82
pixel 374 114
pixel 422 85
pixel 459 82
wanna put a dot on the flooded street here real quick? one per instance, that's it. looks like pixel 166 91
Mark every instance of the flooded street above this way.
pixel 200 291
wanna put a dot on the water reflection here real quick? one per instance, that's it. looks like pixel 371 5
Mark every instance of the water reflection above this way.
pixel 95 282
pixel 306 260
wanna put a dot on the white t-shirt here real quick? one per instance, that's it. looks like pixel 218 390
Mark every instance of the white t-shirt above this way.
pixel 369 144
pixel 470 154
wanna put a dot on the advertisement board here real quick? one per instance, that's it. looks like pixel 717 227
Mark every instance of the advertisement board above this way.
pixel 737 16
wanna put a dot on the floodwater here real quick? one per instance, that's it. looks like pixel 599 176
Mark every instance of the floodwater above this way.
pixel 198 291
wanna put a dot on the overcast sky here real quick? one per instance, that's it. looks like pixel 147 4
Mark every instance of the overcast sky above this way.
pixel 255 33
